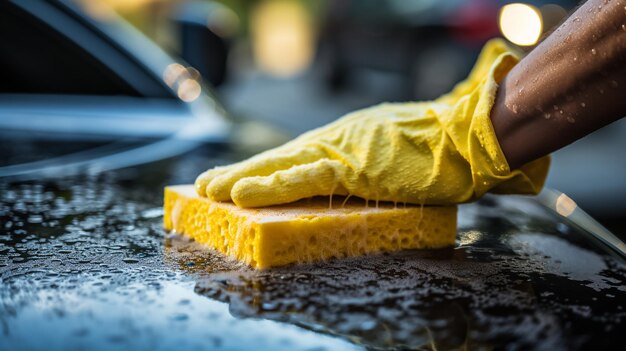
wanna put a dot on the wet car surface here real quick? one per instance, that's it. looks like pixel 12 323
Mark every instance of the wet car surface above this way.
pixel 85 264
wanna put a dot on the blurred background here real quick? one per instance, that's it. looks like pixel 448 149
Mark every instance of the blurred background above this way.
pixel 255 71
pixel 303 63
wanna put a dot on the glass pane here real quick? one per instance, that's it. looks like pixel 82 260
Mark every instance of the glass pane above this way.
pixel 35 58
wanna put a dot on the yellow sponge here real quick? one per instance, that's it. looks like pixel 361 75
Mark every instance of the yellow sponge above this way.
pixel 307 230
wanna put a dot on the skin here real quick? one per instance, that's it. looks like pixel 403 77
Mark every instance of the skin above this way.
pixel 571 84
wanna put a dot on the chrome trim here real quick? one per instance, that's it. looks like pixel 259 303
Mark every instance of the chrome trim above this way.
pixel 550 198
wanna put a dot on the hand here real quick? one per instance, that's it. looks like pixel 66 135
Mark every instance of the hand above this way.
pixel 570 85
pixel 439 152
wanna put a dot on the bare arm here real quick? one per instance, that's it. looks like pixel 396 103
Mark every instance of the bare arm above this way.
pixel 571 84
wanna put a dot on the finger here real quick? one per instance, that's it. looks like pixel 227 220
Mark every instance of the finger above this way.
pixel 322 177
pixel 203 180
pixel 219 188
pixel 206 177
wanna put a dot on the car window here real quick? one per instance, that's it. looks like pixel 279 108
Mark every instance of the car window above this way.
pixel 36 59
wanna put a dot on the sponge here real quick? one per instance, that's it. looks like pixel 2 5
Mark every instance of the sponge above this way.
pixel 305 231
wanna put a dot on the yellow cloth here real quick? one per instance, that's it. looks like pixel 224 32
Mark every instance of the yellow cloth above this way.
pixel 439 152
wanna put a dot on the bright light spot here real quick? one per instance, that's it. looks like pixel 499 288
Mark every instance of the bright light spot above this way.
pixel 189 90
pixel 184 80
pixel 172 72
pixel 470 237
pixel 565 206
pixel 282 37
pixel 521 24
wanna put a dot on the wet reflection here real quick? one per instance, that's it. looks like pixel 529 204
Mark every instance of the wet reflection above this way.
pixel 511 281
pixel 565 206
pixel 84 261
pixel 81 267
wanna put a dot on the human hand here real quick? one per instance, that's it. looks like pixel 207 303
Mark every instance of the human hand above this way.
pixel 439 152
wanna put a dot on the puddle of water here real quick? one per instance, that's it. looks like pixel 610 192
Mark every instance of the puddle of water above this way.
pixel 85 264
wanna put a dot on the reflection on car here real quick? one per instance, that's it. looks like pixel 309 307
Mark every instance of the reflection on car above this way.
pixel 86 90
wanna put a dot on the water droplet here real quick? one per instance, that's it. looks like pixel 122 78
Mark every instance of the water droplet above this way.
pixel 546 115
pixel 153 213
pixel 571 119
pixel 575 58
pixel 624 27
pixel 577 19
pixel 613 84
pixel 593 51
pixel 521 91
pixel 561 111
pixel 180 317
pixel 582 104
pixel 515 108
pixel 35 219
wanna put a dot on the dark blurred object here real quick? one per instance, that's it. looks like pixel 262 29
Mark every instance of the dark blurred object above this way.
pixel 206 29
pixel 429 44
pixel 426 42
pixel 554 14
pixel 36 59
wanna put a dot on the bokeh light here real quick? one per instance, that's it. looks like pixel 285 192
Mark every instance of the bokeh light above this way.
pixel 565 206
pixel 521 24
pixel 282 37
pixel 172 73
pixel 189 90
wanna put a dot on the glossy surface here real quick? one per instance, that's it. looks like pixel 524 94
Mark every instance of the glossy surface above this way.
pixel 85 264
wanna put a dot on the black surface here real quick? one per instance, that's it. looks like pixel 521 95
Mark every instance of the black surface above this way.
pixel 85 264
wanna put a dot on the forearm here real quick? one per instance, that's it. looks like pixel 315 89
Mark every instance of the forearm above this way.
pixel 571 84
